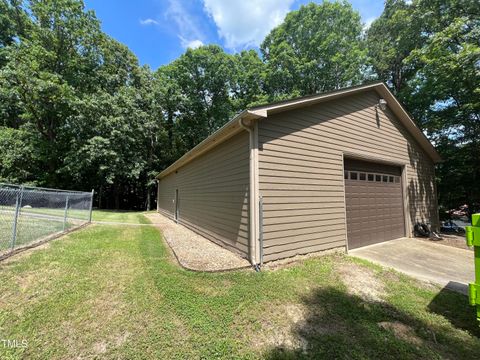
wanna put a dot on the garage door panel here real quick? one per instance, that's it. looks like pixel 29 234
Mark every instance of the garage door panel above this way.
pixel 374 208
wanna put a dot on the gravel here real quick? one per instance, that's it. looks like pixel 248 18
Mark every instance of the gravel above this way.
pixel 193 251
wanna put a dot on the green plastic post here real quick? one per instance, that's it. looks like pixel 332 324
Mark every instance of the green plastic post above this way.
pixel 472 234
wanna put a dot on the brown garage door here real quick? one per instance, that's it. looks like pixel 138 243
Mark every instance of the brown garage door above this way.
pixel 374 202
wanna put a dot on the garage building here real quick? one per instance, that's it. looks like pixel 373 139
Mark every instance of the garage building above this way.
pixel 343 169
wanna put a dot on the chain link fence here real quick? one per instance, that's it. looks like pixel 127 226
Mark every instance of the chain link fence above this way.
pixel 29 214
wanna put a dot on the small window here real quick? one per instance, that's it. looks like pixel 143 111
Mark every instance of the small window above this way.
pixel 397 179
pixel 363 176
pixel 385 178
pixel 378 177
pixel 345 174
pixel 371 177
pixel 390 179
pixel 353 175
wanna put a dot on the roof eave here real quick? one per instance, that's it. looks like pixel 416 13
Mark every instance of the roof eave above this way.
pixel 313 99
pixel 225 132
pixel 408 122
pixel 381 89
pixel 233 126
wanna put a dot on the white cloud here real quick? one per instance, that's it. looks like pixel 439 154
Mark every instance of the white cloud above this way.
pixel 192 44
pixel 148 22
pixel 187 24
pixel 243 23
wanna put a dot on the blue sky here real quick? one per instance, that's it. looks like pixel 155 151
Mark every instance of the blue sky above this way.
pixel 158 31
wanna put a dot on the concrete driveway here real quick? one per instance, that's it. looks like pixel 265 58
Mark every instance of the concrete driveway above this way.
pixel 427 261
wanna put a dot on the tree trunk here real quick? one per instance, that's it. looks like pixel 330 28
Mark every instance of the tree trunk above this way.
pixel 116 195
pixel 170 131
pixel 149 199
pixel 100 193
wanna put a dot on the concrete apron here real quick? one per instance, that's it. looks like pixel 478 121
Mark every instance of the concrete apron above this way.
pixel 444 265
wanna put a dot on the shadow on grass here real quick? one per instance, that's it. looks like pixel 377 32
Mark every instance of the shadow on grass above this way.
pixel 325 323
pixel 338 325
pixel 455 308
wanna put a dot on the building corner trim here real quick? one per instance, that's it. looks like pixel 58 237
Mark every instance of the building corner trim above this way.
pixel 254 230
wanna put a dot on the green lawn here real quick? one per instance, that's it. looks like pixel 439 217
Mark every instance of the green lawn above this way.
pixel 97 215
pixel 29 230
pixel 37 223
pixel 119 216
pixel 114 292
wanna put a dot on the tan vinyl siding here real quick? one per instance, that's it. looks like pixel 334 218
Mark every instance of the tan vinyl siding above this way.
pixel 301 170
pixel 213 194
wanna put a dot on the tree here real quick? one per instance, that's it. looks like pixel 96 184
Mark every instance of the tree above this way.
pixel 203 84
pixel 19 163
pixel 77 99
pixel 429 53
pixel 168 99
pixel 317 48
pixel 46 69
pixel 446 92
pixel 248 84
pixel 390 40
pixel 112 142
pixel 14 22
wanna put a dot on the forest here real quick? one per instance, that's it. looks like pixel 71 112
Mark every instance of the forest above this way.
pixel 78 111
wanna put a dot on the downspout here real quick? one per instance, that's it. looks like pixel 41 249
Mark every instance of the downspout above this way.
pixel 253 193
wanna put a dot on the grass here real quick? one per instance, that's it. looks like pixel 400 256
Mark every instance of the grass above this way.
pixel 97 215
pixel 114 292
pixel 37 223
pixel 119 216
pixel 28 230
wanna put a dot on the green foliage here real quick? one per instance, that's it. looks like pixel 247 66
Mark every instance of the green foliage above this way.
pixel 82 97
pixel 250 79
pixel 428 51
pixel 201 90
pixel 19 162
pixel 390 39
pixel 317 48
pixel 204 78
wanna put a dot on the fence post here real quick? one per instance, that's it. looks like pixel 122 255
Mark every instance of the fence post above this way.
pixel 91 205
pixel 65 214
pixel 18 205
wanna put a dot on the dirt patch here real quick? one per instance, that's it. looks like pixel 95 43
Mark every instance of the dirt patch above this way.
pixel 113 341
pixel 362 282
pixel 280 329
pixel 193 251
pixel 289 327
pixel 401 331
pixel 27 289
pixel 100 347
pixel 35 280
